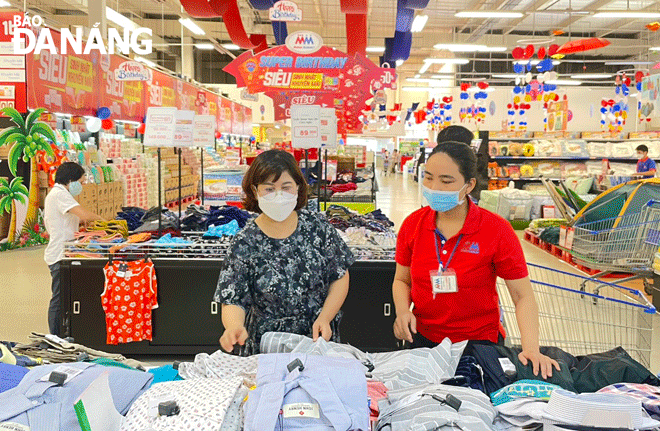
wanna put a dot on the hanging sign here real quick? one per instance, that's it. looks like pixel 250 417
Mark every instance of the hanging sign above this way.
pixel 132 71
pixel 160 126
pixel 204 130
pixel 328 127
pixel 245 95
pixel 13 87
pixel 183 132
pixel 285 11
pixel 305 126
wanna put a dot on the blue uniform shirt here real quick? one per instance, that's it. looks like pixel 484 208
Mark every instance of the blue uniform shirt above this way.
pixel 645 165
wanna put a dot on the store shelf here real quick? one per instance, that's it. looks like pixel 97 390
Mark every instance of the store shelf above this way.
pixel 523 179
pixel 611 159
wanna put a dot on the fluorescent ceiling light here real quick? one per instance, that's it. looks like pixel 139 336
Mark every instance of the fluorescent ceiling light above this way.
pixel 654 48
pixel 425 88
pixel 468 47
pixel 442 76
pixel 627 14
pixel 429 61
pixel 427 80
pixel 113 16
pixel 626 63
pixel 536 62
pixel 4 3
pixel 591 76
pixel 145 61
pixel 563 82
pixel 375 49
pixel 418 75
pixel 419 23
pixel 506 75
pixel 207 46
pixel 488 14
pixel 231 46
pixel 190 25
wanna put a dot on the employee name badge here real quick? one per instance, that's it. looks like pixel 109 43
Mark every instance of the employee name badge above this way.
pixel 444 281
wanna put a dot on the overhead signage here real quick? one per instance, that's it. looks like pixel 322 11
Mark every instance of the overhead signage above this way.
pixel 306 126
pixel 285 11
pixel 304 42
pixel 160 126
pixel 246 95
pixel 132 71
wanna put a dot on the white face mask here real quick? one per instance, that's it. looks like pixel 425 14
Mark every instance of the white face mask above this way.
pixel 278 205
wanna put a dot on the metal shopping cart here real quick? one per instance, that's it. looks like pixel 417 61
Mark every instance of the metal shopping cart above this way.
pixel 583 315
pixel 626 243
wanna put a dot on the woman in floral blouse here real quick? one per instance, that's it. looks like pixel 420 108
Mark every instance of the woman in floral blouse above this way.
pixel 288 269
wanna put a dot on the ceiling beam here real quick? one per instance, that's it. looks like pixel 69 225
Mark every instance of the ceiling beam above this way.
pixel 617 25
pixel 537 4
pixel 575 18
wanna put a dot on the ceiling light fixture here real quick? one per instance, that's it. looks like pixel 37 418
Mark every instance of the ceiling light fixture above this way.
pixel 591 76
pixel 443 76
pixel 627 14
pixel 564 82
pixel 427 80
pixel 506 75
pixel 488 14
pixel 627 63
pixel 419 23
pixel 654 48
pixel 429 61
pixel 468 47
pixel 418 75
pixel 116 17
pixel 190 25
pixel 231 46
pixel 5 3
pixel 206 46
pixel 426 88
pixel 375 49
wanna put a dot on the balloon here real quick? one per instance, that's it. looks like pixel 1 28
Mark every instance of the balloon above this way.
pixel 93 124
pixel 518 68
pixel 553 50
pixel 218 135
pixel 465 96
pixel 528 77
pixel 509 106
pixel 529 51
pixel 541 53
pixel 556 97
pixel 603 110
pixel 603 103
pixel 518 53
pixel 516 100
pixel 639 86
pixel 103 113
pixel 541 78
pixel 465 86
pixel 617 90
pixel 639 76
pixel 552 76
pixel 627 81
pixel 528 88
pixel 528 98
pixel 482 85
pixel 107 124
pixel 517 90
pixel 529 66
pixel 142 128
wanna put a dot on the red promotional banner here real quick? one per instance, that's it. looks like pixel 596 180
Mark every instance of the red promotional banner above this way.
pixel 63 83
pixel 13 87
pixel 186 95
pixel 124 98
pixel 160 91
pixel 247 127
pixel 226 106
pixel 237 118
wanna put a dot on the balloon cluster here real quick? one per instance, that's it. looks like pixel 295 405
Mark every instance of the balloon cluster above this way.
pixel 101 121
pixel 438 113
pixel 642 113
pixel 477 110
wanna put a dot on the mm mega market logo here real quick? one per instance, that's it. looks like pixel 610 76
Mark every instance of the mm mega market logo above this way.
pixel 304 42
pixel 28 36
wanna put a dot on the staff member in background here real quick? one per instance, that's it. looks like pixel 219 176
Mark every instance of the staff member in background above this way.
pixel 449 256
pixel 288 269
pixel 62 216
pixel 645 166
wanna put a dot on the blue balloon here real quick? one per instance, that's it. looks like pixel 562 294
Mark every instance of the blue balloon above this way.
pixel 529 66
pixel 528 88
pixel 617 90
pixel 545 120
pixel 341 141
pixel 603 110
pixel 602 121
pixel 103 113
pixel 517 90
pixel 464 96
pixel 448 118
pixel 545 65
pixel 522 112
pixel 518 68
pixel 482 109
pixel 639 86
pixel 447 106
pixel 616 108
pixel 626 91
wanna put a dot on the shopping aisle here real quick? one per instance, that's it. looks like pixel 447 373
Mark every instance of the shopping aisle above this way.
pixel 25 280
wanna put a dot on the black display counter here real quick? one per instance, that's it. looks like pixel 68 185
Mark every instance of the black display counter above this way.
pixel 187 321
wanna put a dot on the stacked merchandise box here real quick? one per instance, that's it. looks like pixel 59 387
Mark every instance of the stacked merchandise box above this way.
pixel 358 152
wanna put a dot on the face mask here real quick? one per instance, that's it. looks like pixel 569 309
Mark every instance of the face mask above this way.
pixel 279 205
pixel 640 156
pixel 75 188
pixel 443 201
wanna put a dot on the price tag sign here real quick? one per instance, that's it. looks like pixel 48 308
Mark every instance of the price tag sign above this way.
pixel 183 132
pixel 328 128
pixel 306 126
pixel 204 130
pixel 160 127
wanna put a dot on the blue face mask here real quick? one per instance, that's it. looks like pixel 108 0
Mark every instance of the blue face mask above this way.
pixel 75 188
pixel 442 201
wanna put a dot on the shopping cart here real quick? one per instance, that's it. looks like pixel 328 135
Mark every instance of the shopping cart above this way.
pixel 625 243
pixel 583 315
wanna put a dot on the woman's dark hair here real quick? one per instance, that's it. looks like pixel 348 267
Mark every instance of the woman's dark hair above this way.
pixel 462 155
pixel 269 166
pixel 455 134
pixel 67 172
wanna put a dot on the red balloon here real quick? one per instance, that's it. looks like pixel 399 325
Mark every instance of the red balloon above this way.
pixel 553 50
pixel 628 81
pixel 465 86
pixel 509 106
pixel 639 76
pixel 518 53
pixel 603 103
pixel 482 85
pixel 516 107
pixel 610 102
pixel 142 128
pixel 218 135
pixel 556 97
pixel 107 124
pixel 529 51
pixel 541 53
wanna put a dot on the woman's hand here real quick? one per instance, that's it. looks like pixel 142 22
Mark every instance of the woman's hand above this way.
pixel 405 326
pixel 539 362
pixel 321 327
pixel 233 336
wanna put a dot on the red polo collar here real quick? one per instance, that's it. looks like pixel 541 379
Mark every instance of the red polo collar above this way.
pixel 472 221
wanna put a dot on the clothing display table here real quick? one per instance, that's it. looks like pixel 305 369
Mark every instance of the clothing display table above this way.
pixel 187 320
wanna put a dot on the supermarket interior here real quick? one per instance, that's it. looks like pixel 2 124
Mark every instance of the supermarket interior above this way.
pixel 347 215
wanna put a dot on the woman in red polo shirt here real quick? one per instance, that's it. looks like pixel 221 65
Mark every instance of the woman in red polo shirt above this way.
pixel 449 255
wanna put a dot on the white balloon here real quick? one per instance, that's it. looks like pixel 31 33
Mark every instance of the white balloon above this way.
pixel 541 78
pixel 93 124
pixel 552 76
pixel 528 77
pixel 611 116
pixel 518 80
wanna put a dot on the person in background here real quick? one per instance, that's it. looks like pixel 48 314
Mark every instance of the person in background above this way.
pixel 396 161
pixel 386 162
pixel 62 217
pixel 448 258
pixel 645 165
pixel 287 270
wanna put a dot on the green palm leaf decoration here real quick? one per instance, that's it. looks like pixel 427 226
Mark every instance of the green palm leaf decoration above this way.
pixel 40 134
pixel 17 151
pixel 16 117
pixel 10 192
pixel 33 117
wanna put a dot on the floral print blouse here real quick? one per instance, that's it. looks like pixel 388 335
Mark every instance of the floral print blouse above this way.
pixel 282 284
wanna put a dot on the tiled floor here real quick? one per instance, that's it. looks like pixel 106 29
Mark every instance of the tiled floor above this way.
pixel 25 280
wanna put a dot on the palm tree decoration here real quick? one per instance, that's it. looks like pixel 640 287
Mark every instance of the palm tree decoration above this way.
pixel 28 136
pixel 9 194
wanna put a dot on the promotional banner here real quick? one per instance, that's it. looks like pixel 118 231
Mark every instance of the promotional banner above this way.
pixel 63 83
pixel 247 123
pixel 186 95
pixel 226 112
pixel 237 117
pixel 13 87
pixel 160 90
pixel 124 98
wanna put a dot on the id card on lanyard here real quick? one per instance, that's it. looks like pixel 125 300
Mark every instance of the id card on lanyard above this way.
pixel 444 279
